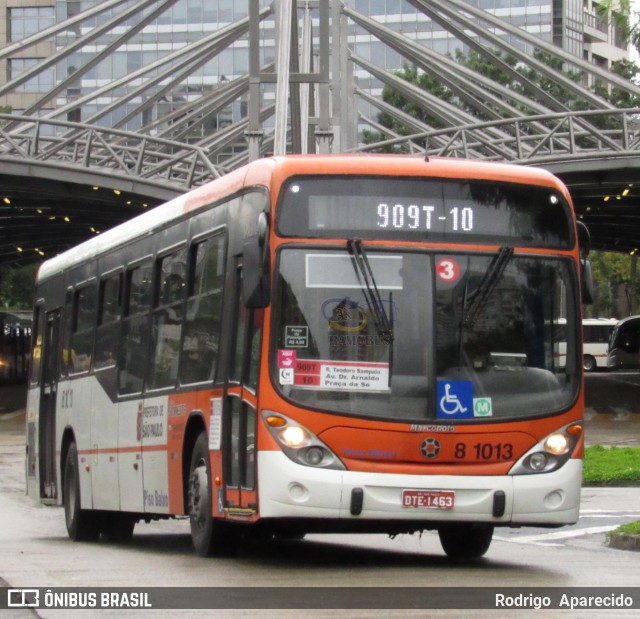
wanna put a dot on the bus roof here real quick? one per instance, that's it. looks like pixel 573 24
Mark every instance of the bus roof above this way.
pixel 592 321
pixel 411 165
pixel 271 171
pixel 629 319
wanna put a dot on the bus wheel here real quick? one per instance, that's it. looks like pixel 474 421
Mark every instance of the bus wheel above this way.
pixel 210 537
pixel 588 363
pixel 81 523
pixel 465 541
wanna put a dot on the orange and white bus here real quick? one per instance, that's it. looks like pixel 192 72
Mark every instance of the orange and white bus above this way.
pixel 349 343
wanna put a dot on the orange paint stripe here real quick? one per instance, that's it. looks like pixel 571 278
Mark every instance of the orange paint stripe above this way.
pixel 120 450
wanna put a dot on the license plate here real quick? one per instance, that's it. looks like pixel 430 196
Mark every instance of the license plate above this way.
pixel 429 499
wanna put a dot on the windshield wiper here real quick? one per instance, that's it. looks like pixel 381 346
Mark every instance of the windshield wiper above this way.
pixel 372 295
pixel 483 292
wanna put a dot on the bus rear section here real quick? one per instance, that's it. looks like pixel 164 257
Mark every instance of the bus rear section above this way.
pixel 383 356
pixel 624 345
pixel 596 333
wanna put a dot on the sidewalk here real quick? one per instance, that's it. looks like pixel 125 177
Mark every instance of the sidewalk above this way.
pixel 606 430
pixel 12 428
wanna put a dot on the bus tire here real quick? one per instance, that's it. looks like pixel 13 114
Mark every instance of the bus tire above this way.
pixel 82 525
pixel 589 363
pixel 465 541
pixel 210 536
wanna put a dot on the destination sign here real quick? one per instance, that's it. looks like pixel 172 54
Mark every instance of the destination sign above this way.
pixel 425 209
pixel 400 216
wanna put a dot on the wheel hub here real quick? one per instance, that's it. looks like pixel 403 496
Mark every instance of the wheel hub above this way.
pixel 199 495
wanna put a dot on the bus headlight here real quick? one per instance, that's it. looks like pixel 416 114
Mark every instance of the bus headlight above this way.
pixel 550 453
pixel 557 444
pixel 294 436
pixel 314 456
pixel 538 461
pixel 300 444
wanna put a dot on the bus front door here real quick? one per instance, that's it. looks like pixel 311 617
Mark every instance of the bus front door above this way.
pixel 48 404
pixel 241 406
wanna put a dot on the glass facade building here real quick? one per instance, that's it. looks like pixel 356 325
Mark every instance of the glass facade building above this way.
pixel 570 24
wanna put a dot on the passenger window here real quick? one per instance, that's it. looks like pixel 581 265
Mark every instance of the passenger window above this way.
pixel 135 329
pixel 36 348
pixel 82 329
pixel 109 312
pixel 65 364
pixel 201 343
pixel 167 320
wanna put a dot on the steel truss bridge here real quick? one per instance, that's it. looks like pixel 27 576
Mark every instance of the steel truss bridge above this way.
pixel 63 180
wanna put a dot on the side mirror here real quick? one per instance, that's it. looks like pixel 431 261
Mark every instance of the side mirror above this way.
pixel 586 276
pixel 587 282
pixel 256 290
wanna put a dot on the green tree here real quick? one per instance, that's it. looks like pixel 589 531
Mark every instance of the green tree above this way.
pixel 395 98
pixel 16 287
pixel 624 19
pixel 486 67
pixel 614 290
pixel 621 99
pixel 425 81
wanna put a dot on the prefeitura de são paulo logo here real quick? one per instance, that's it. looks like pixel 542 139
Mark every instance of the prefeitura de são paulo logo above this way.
pixel 430 447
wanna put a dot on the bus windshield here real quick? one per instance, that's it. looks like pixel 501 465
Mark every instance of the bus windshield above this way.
pixel 469 337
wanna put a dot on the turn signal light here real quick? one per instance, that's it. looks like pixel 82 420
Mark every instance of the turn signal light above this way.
pixel 275 421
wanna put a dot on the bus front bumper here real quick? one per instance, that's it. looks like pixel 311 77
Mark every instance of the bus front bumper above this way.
pixel 289 490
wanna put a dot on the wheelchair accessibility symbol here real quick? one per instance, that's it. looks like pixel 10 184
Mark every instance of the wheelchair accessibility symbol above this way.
pixel 455 399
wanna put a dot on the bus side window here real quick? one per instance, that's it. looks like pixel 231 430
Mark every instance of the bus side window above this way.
pixel 201 343
pixel 108 332
pixel 82 329
pixel 36 350
pixel 65 362
pixel 255 341
pixel 166 325
pixel 245 363
pixel 135 329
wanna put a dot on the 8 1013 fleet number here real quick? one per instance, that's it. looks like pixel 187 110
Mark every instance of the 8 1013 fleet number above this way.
pixel 484 451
